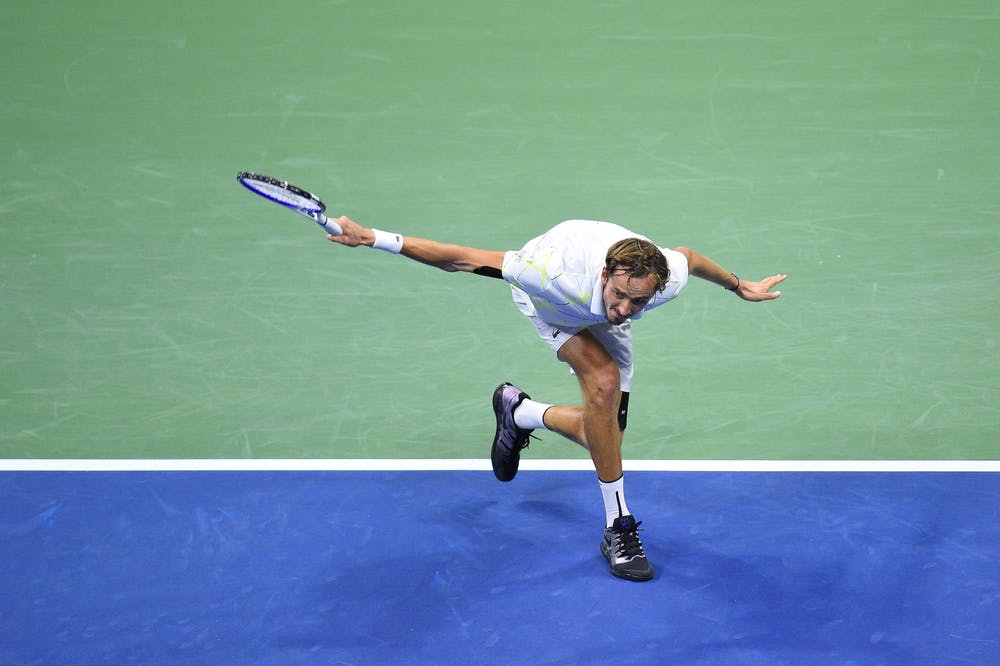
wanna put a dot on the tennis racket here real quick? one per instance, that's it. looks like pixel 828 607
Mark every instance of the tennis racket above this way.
pixel 289 196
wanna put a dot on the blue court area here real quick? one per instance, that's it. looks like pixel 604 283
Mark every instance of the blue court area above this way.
pixel 453 567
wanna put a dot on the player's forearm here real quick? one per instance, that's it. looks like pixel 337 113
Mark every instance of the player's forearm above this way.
pixel 702 267
pixel 445 256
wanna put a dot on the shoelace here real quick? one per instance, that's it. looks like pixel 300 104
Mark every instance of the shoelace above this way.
pixel 513 438
pixel 629 545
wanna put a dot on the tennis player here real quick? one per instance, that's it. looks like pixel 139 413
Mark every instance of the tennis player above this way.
pixel 581 284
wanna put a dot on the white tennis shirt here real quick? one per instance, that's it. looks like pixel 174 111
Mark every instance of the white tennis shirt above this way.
pixel 560 272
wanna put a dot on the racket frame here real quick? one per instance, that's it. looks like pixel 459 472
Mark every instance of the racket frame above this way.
pixel 245 178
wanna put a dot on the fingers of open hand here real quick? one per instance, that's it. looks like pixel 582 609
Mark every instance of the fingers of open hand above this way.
pixel 761 291
pixel 773 280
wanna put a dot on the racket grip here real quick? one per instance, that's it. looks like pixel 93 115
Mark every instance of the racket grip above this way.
pixel 330 226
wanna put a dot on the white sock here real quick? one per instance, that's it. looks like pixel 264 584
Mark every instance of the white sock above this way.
pixel 529 413
pixel 614 499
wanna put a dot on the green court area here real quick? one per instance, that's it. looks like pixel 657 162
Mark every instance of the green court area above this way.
pixel 151 308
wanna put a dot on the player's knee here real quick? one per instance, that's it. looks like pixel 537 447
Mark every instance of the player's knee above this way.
pixel 604 387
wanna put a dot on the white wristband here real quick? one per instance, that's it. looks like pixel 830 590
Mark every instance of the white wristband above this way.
pixel 387 241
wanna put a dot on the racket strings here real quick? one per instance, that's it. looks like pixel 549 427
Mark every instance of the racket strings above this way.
pixel 285 196
pixel 282 193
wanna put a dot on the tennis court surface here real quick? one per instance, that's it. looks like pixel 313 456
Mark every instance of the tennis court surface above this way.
pixel 452 567
pixel 153 310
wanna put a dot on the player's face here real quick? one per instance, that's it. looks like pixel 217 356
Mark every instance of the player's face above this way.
pixel 624 295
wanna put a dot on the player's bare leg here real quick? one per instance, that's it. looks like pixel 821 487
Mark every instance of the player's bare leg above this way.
pixel 596 427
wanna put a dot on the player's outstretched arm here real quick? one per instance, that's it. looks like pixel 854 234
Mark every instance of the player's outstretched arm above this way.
pixel 701 266
pixel 445 256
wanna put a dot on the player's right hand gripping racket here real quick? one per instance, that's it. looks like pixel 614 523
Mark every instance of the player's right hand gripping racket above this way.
pixel 289 196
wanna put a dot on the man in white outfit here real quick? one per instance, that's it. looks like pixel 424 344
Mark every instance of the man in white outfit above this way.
pixel 581 284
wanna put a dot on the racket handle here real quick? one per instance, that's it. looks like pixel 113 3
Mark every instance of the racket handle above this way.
pixel 329 225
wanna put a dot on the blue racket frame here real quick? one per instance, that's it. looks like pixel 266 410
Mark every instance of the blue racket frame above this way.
pixel 311 206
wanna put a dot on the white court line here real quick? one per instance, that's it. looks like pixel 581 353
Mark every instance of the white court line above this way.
pixel 477 464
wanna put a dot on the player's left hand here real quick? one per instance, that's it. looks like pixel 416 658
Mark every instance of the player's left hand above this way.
pixel 760 291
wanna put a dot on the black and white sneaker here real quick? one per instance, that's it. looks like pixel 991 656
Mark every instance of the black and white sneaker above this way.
pixel 509 439
pixel 623 550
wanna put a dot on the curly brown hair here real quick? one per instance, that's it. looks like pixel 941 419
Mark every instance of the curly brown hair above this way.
pixel 638 258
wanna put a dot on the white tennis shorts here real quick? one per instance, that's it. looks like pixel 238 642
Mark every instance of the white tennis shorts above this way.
pixel 617 340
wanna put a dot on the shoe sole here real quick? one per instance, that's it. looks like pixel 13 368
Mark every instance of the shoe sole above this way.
pixel 624 575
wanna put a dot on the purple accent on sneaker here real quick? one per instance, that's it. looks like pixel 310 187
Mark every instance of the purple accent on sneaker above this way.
pixel 509 439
